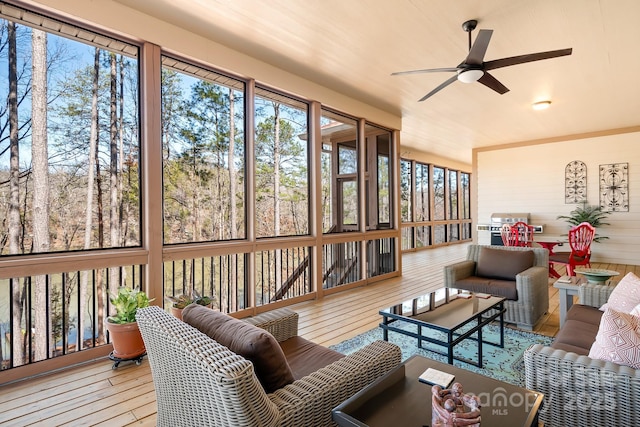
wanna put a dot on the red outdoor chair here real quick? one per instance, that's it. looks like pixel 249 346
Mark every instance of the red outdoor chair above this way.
pixel 525 233
pixel 509 236
pixel 518 234
pixel 580 238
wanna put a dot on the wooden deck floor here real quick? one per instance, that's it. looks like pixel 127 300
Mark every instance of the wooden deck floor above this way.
pixel 94 394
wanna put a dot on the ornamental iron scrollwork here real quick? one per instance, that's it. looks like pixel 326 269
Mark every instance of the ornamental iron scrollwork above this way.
pixel 614 187
pixel 575 182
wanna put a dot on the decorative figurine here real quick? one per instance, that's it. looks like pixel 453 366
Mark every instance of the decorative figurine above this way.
pixel 453 408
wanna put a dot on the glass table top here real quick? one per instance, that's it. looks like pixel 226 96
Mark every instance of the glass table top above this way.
pixel 444 307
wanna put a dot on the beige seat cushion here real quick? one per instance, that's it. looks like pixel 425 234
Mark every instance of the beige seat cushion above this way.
pixel 249 341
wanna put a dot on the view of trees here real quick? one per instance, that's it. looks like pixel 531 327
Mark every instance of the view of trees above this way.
pixel 405 191
pixel 233 169
pixel 203 159
pixel 68 167
pixel 447 191
pixel 282 172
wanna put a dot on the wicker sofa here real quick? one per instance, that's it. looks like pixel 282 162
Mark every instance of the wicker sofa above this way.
pixel 527 295
pixel 199 382
pixel 579 390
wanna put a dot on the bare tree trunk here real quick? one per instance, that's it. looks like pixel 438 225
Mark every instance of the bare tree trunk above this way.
pixel 14 193
pixel 276 191
pixel 114 217
pixel 40 158
pixel 121 145
pixel 100 208
pixel 233 285
pixel 112 287
pixel 88 219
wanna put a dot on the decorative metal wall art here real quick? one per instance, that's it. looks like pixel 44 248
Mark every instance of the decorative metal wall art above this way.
pixel 614 187
pixel 575 182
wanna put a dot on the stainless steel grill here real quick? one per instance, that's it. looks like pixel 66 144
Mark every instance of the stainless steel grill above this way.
pixel 500 219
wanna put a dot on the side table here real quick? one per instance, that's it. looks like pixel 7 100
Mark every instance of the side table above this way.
pixel 566 293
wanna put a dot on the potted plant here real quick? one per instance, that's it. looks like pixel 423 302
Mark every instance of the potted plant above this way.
pixel 587 213
pixel 181 301
pixel 123 328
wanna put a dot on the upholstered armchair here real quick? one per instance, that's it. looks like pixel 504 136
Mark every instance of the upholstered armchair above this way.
pixel 520 274
pixel 200 382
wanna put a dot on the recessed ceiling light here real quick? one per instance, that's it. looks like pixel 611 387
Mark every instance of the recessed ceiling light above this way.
pixel 541 105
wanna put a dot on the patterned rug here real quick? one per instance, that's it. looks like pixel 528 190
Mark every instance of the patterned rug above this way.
pixel 504 364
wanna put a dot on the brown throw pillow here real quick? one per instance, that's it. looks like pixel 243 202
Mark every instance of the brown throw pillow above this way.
pixel 249 341
pixel 503 264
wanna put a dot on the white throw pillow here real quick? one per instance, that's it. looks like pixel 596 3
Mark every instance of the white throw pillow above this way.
pixel 635 311
pixel 618 339
pixel 626 295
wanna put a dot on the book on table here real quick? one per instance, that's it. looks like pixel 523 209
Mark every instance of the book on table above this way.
pixel 435 377
pixel 482 295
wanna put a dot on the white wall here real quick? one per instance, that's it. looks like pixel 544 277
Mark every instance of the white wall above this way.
pixel 531 179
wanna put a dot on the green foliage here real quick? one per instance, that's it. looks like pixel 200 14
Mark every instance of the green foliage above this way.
pixel 587 213
pixel 127 302
pixel 183 300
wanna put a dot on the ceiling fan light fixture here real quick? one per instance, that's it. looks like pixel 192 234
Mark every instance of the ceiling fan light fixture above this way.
pixel 541 105
pixel 470 76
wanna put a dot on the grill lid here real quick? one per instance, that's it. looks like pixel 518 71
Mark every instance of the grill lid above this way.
pixel 510 218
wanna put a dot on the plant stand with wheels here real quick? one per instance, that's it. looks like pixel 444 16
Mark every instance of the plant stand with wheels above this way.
pixel 117 360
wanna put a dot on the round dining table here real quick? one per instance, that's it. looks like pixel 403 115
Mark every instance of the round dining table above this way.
pixel 549 243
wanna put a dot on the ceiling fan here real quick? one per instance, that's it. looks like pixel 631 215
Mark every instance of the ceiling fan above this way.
pixel 474 68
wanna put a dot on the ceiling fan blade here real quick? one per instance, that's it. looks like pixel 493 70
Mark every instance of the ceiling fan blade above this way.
pixel 521 59
pixel 439 88
pixel 479 48
pixel 492 83
pixel 429 70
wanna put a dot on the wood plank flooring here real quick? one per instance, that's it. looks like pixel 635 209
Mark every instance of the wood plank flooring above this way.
pixel 94 394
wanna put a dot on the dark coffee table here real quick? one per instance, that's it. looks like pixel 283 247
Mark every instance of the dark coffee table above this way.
pixel 456 318
pixel 399 399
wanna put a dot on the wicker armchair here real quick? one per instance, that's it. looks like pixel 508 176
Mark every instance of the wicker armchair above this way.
pixel 532 285
pixel 199 382
pixel 578 390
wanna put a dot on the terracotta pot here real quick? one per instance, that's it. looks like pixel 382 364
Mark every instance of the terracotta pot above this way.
pixel 126 339
pixel 177 312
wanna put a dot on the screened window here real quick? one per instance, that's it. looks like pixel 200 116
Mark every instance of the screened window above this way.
pixel 465 192
pixel 69 137
pixel 282 165
pixel 406 213
pixel 422 192
pixel 203 152
pixel 452 211
pixel 339 174
pixel 438 193
pixel 378 179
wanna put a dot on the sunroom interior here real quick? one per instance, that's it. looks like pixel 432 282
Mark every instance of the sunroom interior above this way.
pixel 264 155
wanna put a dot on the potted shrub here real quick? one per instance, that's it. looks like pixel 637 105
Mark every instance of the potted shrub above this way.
pixel 123 328
pixel 181 301
pixel 587 213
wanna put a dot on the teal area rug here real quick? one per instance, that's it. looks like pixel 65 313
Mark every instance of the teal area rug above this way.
pixel 504 364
